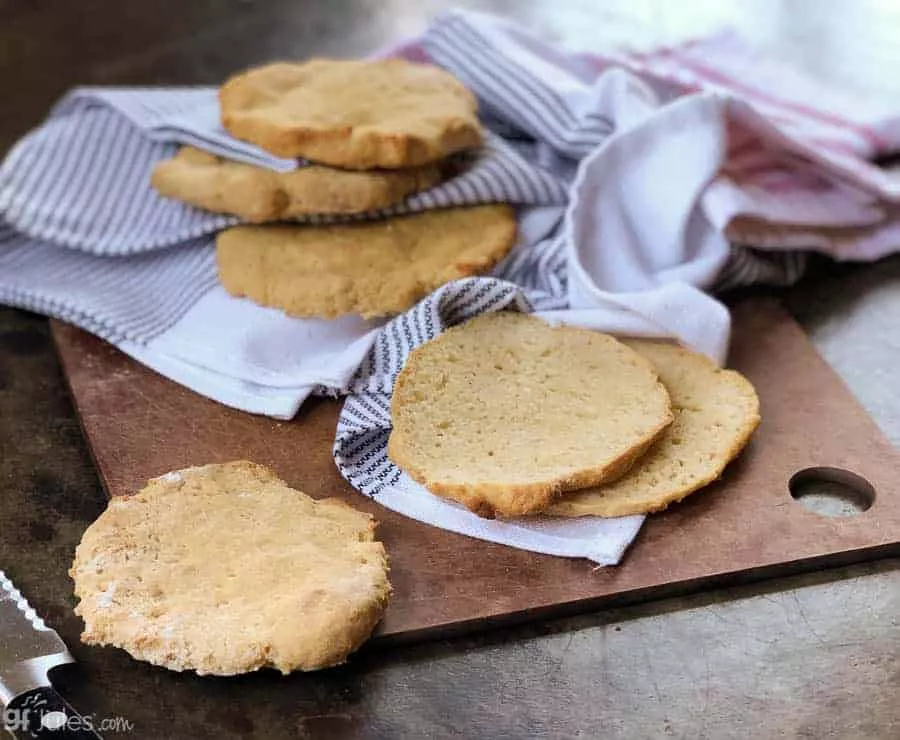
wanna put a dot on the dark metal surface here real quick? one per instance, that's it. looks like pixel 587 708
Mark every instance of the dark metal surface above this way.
pixel 814 656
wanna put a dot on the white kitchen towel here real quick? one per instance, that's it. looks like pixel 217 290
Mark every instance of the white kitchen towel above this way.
pixel 640 251
pixel 800 152
pixel 80 181
pixel 635 251
pixel 801 155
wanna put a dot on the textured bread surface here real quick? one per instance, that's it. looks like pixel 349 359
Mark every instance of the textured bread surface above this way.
pixel 224 569
pixel 716 412
pixel 504 412
pixel 357 114
pixel 372 268
pixel 258 195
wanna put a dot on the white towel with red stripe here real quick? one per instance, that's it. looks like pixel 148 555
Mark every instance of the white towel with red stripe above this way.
pixel 799 169
pixel 646 183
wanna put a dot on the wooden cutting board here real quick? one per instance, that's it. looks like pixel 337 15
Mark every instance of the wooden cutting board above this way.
pixel 747 526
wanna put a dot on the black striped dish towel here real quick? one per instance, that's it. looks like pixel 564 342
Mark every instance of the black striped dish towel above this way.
pixel 609 176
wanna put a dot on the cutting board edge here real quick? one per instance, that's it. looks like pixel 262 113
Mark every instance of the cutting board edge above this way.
pixel 828 562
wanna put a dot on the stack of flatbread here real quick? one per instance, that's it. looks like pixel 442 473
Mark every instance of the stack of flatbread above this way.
pixel 513 417
pixel 367 135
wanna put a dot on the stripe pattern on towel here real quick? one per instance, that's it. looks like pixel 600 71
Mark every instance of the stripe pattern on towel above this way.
pixel 527 105
pixel 133 299
pixel 510 92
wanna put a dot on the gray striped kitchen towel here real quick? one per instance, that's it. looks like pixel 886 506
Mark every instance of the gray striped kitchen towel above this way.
pixel 81 181
pixel 608 176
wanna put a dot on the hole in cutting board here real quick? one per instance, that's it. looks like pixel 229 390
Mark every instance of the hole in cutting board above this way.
pixel 832 492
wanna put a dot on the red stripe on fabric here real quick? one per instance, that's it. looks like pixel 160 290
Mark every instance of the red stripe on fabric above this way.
pixel 633 62
pixel 717 77
pixel 833 144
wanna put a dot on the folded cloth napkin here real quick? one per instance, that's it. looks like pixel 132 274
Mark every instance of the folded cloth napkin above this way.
pixel 626 189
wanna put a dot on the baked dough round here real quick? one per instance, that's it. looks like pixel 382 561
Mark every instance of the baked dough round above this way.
pixel 224 569
pixel 258 195
pixel 505 412
pixel 371 268
pixel 357 114
pixel 716 412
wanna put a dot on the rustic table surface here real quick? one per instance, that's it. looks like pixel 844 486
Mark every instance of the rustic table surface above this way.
pixel 812 656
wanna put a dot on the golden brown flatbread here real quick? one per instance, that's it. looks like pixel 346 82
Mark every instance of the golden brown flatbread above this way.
pixel 373 268
pixel 224 569
pixel 716 412
pixel 504 413
pixel 258 195
pixel 358 114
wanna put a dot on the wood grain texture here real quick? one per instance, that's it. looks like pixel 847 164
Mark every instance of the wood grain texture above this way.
pixel 747 526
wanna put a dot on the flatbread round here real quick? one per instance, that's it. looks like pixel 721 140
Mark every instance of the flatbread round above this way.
pixel 258 195
pixel 371 268
pixel 358 114
pixel 223 569
pixel 716 412
pixel 505 412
